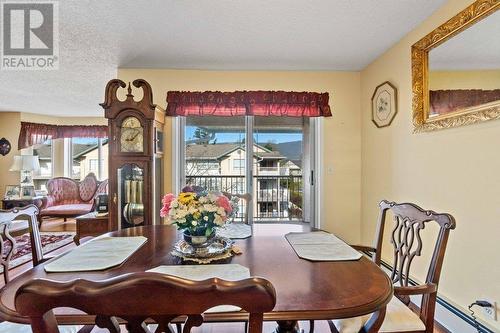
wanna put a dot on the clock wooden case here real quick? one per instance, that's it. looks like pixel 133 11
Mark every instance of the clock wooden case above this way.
pixel 135 164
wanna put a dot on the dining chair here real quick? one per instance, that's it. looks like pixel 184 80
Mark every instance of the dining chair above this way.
pixel 247 198
pixel 409 220
pixel 28 213
pixel 143 295
pixel 6 251
pixel 6 217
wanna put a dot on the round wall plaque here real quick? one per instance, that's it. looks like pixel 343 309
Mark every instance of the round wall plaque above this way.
pixel 4 146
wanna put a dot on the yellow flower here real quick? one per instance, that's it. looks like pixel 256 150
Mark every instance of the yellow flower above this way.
pixel 197 215
pixel 186 197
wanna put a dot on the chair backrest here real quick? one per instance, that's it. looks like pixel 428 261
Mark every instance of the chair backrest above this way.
pixel 136 297
pixel 247 198
pixel 409 220
pixel 102 188
pixel 88 187
pixel 28 213
pixel 6 238
pixel 66 190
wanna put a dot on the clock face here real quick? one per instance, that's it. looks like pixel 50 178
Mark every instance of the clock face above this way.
pixel 131 136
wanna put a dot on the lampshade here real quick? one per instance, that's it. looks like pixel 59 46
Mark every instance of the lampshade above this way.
pixel 25 162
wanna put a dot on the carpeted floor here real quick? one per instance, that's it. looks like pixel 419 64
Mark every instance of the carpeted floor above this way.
pixel 50 241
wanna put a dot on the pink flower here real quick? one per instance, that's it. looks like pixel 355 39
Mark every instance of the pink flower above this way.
pixel 223 202
pixel 163 212
pixel 167 200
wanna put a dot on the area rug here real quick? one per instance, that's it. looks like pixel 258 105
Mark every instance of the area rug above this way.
pixel 50 241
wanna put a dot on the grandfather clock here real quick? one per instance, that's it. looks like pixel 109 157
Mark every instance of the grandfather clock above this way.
pixel 135 156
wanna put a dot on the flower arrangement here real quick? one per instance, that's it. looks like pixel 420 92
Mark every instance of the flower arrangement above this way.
pixel 196 211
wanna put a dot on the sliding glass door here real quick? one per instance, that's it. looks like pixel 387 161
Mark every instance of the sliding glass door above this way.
pixel 269 157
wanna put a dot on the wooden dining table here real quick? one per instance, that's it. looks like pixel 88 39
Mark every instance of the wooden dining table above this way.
pixel 305 290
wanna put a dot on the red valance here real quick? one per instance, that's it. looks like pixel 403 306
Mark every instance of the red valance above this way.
pixel 446 101
pixel 249 103
pixel 33 133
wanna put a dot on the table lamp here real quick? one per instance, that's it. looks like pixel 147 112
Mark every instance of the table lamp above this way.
pixel 26 165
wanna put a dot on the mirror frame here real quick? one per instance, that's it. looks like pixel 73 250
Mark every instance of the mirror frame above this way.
pixel 477 11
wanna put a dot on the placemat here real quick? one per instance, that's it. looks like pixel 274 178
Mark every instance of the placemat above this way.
pixel 235 231
pixel 321 246
pixel 98 254
pixel 229 272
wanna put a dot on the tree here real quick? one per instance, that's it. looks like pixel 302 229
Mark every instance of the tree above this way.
pixel 269 146
pixel 202 136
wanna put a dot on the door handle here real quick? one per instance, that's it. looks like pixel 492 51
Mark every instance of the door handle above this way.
pixel 114 199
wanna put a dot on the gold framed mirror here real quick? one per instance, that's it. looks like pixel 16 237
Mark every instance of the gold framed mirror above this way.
pixel 456 70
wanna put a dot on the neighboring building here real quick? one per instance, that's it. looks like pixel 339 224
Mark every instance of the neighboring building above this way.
pixel 86 160
pixel 277 187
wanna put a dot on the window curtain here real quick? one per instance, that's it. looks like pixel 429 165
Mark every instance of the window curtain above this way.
pixel 248 103
pixel 33 133
pixel 446 101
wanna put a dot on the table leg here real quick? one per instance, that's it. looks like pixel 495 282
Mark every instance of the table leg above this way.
pixel 287 326
pixel 373 325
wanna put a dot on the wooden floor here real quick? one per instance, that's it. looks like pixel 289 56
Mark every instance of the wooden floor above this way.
pixel 321 326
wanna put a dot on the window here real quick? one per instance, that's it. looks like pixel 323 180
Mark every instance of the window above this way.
pixel 44 153
pixel 238 165
pixel 88 155
pixel 282 147
pixel 93 165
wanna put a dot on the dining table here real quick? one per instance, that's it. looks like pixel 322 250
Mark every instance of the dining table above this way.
pixel 305 290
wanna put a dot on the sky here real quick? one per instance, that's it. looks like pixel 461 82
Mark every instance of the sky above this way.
pixel 262 138
pixel 226 137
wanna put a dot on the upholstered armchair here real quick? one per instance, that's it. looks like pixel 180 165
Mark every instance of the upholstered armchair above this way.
pixel 69 198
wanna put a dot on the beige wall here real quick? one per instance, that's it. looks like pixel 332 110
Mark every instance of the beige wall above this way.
pixel 454 170
pixel 45 119
pixel 9 129
pixel 341 137
pixel 487 79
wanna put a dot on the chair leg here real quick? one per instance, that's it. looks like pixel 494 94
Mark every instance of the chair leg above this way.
pixel 311 326
pixel 333 328
pixel 86 329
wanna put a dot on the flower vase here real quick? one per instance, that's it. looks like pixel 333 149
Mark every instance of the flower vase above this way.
pixel 199 242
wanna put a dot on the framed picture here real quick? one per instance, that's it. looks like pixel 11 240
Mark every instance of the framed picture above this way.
pixel 384 104
pixel 12 191
pixel 28 191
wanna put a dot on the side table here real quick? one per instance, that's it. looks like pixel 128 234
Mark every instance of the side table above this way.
pixel 21 202
pixel 90 224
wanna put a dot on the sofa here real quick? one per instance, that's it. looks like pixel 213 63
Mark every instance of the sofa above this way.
pixel 67 197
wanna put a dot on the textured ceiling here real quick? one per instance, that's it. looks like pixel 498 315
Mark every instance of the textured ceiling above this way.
pixel 96 37
pixel 475 48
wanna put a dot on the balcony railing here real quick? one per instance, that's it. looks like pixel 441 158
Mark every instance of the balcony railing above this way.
pixel 275 198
